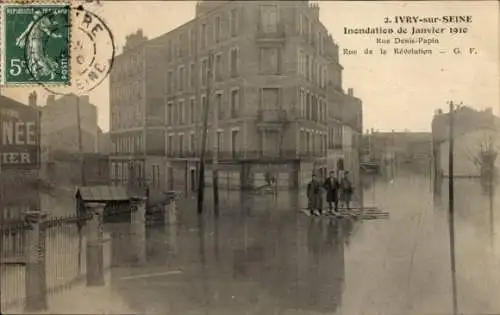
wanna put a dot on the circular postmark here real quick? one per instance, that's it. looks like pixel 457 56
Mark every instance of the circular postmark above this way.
pixel 80 50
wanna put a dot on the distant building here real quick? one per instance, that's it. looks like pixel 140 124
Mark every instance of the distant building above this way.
pixel 398 150
pixel 476 132
pixel 60 127
pixel 345 125
pixel 70 139
pixel 103 142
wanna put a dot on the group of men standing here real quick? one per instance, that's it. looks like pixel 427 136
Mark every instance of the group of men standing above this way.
pixel 336 190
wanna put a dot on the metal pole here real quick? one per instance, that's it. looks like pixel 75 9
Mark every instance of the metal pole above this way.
pixel 80 144
pixel 201 178
pixel 451 218
pixel 215 108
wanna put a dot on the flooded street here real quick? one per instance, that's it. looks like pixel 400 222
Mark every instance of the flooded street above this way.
pixel 262 256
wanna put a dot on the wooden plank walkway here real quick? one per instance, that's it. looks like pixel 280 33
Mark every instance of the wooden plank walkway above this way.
pixel 366 214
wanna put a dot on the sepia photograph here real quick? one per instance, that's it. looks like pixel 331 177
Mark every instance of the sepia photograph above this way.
pixel 249 157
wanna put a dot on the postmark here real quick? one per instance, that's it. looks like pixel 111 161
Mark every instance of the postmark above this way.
pixel 92 51
pixel 36 44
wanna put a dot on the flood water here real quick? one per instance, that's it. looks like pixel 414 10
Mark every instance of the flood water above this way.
pixel 262 256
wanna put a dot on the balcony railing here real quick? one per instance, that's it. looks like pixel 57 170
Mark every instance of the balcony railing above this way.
pixel 135 153
pixel 250 155
pixel 272 116
pixel 153 121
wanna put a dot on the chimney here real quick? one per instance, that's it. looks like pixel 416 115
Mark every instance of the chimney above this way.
pixel 350 91
pixel 32 99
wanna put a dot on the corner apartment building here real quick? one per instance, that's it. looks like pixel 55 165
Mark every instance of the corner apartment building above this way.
pixel 275 81
pixel 136 135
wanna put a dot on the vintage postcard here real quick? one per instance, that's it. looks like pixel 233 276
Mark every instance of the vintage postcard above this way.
pixel 249 157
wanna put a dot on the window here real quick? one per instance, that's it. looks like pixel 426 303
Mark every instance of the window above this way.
pixel 203 35
pixel 234 141
pixel 269 18
pixel 302 103
pixel 320 40
pixel 181 142
pixel 170 144
pixel 314 107
pixel 270 60
pixel 220 143
pixel 220 105
pixel 203 105
pixel 170 114
pixel 204 72
pixel 234 103
pixel 270 98
pixel 323 77
pixel 170 82
pixel 191 48
pixel 181 111
pixel 217 29
pixel 156 175
pixel 301 24
pixel 191 142
pixel 307 67
pixel 308 142
pixel 191 110
pixel 180 44
pixel 191 75
pixel 308 106
pixel 234 22
pixel 218 67
pixel 300 62
pixel 169 51
pixel 234 62
pixel 181 78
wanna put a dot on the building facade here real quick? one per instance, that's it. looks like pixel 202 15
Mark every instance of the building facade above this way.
pixel 136 135
pixel 476 133
pixel 274 81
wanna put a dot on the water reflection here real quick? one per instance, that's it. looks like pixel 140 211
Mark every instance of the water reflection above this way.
pixel 261 256
pixel 264 259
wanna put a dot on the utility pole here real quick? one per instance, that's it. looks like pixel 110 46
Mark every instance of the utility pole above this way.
pixel 215 174
pixel 201 177
pixel 80 144
pixel 451 219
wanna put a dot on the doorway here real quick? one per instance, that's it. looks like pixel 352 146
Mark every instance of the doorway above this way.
pixel 193 181
pixel 170 178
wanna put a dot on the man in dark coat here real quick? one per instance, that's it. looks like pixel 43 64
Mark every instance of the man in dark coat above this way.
pixel 332 186
pixel 346 190
pixel 314 195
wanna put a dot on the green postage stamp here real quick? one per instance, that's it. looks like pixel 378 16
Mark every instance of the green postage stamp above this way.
pixel 36 44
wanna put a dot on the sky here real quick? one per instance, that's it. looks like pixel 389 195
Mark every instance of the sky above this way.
pixel 398 92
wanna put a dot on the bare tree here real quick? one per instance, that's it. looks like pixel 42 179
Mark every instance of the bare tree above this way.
pixel 484 157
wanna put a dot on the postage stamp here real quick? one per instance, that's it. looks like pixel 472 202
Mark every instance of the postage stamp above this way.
pixel 36 44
